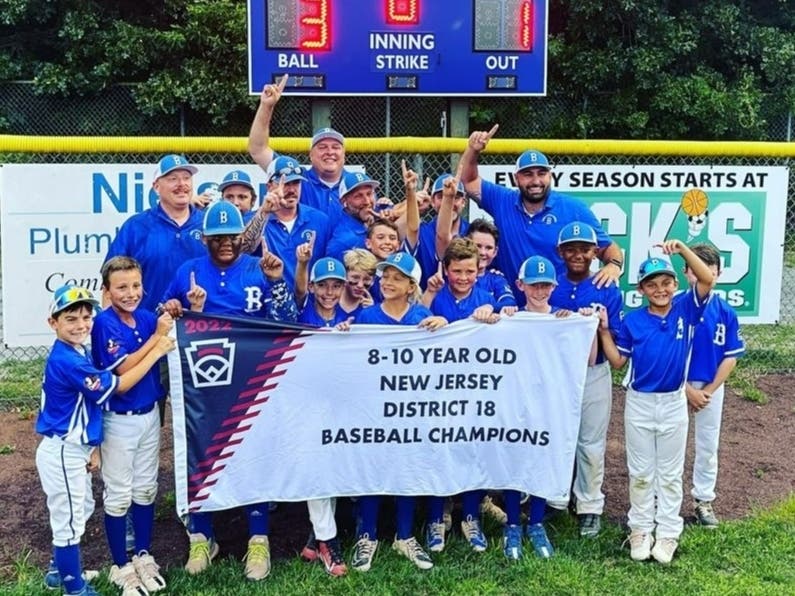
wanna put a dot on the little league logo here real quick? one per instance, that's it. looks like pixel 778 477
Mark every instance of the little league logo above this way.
pixel 211 362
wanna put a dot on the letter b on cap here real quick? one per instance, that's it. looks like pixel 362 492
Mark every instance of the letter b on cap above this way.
pixel 223 217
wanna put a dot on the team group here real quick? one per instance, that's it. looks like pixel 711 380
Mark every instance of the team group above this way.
pixel 320 249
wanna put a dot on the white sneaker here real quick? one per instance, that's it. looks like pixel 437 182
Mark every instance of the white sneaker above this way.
pixel 258 558
pixel 127 579
pixel 149 572
pixel 664 550
pixel 640 545
pixel 202 552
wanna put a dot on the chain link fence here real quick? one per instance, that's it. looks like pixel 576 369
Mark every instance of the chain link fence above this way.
pixel 771 348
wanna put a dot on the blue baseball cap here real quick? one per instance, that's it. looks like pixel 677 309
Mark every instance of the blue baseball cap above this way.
pixel 353 180
pixel 222 218
pixel 327 133
pixel 67 295
pixel 655 266
pixel 287 167
pixel 403 262
pixel 236 177
pixel 169 163
pixel 537 270
pixel 532 159
pixel 438 185
pixel 327 268
pixel 577 231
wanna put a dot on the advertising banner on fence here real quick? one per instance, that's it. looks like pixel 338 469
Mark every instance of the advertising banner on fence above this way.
pixel 741 210
pixel 267 412
pixel 59 219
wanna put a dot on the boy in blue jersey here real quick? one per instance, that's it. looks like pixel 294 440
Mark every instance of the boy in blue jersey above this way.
pixel 577 245
pixel 318 300
pixel 122 335
pixel 455 299
pixel 483 233
pixel 400 279
pixel 228 282
pixel 326 284
pixel 360 267
pixel 236 187
pixel 658 338
pixel 70 422
pixel 537 279
pixel 717 345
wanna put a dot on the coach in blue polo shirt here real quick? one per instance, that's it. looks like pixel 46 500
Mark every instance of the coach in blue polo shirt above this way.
pixel 531 216
pixel 326 154
pixel 168 234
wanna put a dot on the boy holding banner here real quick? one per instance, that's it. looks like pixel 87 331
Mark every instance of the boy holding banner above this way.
pixel 228 282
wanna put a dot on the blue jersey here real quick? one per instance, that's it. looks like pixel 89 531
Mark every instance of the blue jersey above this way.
pixel 523 235
pixel 717 337
pixel 310 316
pixel 317 194
pixel 425 250
pixel 347 233
pixel 496 284
pixel 72 393
pixel 112 341
pixel 660 346
pixel 575 295
pixel 453 309
pixel 283 242
pixel 240 290
pixel 160 245
pixel 374 315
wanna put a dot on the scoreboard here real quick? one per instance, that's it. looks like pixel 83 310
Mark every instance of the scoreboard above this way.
pixel 399 47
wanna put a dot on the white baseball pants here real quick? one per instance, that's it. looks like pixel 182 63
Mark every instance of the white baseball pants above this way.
pixel 321 514
pixel 130 460
pixel 597 401
pixel 67 484
pixel 707 435
pixel 655 425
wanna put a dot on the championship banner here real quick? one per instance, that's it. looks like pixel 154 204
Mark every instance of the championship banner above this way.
pixel 271 412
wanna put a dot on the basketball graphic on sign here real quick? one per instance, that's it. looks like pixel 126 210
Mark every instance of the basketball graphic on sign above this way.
pixel 695 204
pixel 695 201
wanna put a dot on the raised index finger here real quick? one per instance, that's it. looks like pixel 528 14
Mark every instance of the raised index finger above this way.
pixel 493 131
pixel 403 167
pixel 192 279
pixel 427 185
pixel 282 83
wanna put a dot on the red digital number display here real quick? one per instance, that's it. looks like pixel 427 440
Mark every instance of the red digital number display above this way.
pixel 402 12
pixel 526 25
pixel 315 25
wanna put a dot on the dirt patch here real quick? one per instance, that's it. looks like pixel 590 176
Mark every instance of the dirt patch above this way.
pixel 756 470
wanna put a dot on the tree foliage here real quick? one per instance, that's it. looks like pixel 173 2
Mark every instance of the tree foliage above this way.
pixel 714 69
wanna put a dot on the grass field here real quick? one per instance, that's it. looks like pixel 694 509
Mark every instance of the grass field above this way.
pixel 748 557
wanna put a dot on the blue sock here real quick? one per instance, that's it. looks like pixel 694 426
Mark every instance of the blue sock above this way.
pixel 368 516
pixel 201 523
pixel 405 516
pixel 67 559
pixel 435 510
pixel 143 519
pixel 116 531
pixel 257 519
pixel 537 508
pixel 513 508
pixel 470 502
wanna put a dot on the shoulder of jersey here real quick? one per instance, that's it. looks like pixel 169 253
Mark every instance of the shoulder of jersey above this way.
pixel 496 272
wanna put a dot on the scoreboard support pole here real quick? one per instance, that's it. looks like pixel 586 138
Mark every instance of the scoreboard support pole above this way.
pixel 321 114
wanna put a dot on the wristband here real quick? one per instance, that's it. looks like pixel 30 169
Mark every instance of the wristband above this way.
pixel 616 262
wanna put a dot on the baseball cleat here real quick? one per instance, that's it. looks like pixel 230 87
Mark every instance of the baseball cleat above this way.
pixel 412 550
pixel 258 558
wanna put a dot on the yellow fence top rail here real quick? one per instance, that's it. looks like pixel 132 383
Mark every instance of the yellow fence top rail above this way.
pixel 59 144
